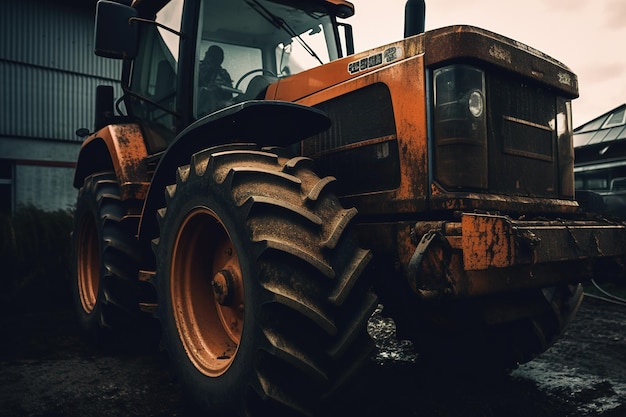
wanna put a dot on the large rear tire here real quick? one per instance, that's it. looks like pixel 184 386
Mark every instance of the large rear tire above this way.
pixel 262 303
pixel 105 259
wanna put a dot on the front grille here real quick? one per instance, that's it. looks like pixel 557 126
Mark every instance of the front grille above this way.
pixel 522 137
pixel 360 149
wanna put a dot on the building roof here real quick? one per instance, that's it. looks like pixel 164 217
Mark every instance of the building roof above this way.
pixel 603 130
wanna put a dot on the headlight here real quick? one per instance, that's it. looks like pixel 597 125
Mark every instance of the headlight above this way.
pixel 476 103
pixel 460 131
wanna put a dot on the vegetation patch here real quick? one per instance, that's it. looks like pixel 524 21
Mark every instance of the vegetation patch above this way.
pixel 35 259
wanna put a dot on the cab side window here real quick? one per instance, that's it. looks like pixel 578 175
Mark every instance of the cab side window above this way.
pixel 154 73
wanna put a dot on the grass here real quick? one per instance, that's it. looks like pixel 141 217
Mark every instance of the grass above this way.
pixel 34 258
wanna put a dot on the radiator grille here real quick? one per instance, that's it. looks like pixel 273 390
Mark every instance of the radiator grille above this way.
pixel 522 138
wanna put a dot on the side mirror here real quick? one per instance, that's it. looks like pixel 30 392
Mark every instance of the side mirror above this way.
pixel 115 32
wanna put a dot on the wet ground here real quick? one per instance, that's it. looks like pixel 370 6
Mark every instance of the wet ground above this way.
pixel 47 370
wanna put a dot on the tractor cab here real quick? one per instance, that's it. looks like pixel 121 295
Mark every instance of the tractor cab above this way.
pixel 187 59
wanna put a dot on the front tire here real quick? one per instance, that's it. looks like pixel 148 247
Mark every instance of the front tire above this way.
pixel 492 334
pixel 261 301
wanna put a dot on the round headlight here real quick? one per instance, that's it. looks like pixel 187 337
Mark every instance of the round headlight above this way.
pixel 476 103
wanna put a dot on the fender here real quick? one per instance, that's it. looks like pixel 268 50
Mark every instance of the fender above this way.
pixel 267 123
pixel 120 148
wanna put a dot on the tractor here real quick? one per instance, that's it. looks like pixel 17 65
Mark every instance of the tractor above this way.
pixel 259 189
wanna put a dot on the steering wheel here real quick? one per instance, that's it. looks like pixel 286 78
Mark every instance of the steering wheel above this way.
pixel 247 74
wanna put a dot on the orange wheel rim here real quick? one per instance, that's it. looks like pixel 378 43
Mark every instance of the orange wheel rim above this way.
pixel 207 292
pixel 88 248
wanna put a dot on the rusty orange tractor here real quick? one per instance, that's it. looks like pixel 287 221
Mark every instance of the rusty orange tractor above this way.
pixel 262 188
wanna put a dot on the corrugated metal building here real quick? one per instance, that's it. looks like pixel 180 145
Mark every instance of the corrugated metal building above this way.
pixel 49 77
pixel 600 147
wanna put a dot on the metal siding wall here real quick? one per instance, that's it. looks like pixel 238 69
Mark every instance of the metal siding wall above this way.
pixel 45 187
pixel 50 34
pixel 40 103
pixel 49 71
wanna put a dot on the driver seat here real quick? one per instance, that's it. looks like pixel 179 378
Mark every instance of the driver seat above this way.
pixel 257 87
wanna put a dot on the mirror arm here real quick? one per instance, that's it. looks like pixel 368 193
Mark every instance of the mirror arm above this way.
pixel 152 22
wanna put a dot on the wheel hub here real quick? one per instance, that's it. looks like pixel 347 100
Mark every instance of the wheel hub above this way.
pixel 209 313
pixel 223 287
pixel 88 264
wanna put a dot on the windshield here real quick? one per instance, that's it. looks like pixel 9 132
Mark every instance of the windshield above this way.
pixel 245 45
pixel 300 38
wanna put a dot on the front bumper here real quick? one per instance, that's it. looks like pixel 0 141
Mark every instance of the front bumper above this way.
pixel 483 254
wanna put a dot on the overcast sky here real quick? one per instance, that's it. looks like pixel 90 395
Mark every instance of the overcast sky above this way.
pixel 589 36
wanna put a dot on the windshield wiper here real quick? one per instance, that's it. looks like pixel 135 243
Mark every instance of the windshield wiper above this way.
pixel 280 23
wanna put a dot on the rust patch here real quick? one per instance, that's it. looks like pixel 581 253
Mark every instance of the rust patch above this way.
pixel 488 242
pixel 128 153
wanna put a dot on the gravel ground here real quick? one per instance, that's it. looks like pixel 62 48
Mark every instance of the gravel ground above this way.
pixel 47 370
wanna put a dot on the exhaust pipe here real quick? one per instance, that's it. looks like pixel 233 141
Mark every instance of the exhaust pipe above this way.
pixel 414 17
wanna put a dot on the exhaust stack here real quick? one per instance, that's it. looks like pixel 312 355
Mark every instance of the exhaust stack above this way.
pixel 414 17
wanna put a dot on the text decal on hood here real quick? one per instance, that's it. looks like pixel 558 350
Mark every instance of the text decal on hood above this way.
pixel 375 60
